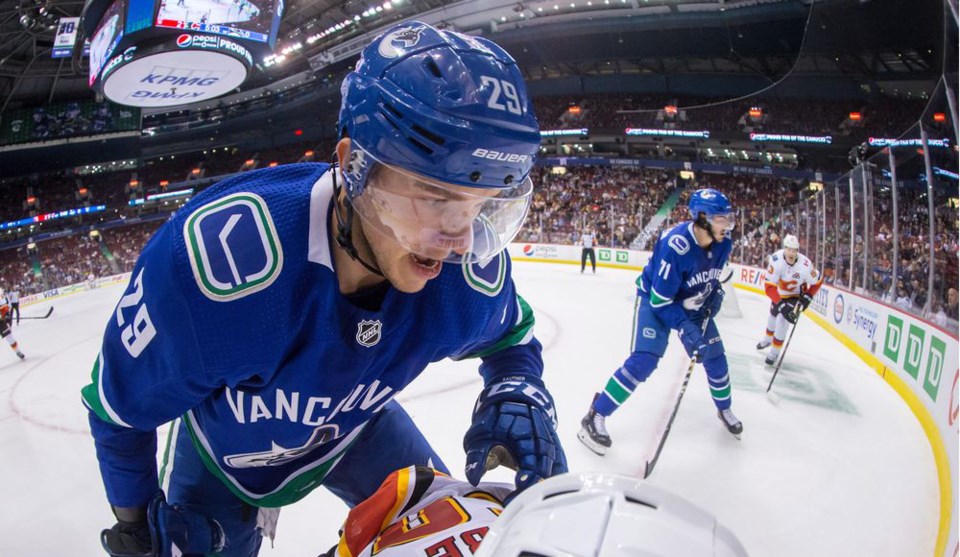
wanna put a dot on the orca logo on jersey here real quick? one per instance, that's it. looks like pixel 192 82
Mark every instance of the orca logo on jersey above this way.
pixel 233 246
pixel 679 244
pixel 486 277
pixel 368 332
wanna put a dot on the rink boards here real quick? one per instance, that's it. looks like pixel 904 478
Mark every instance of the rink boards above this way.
pixel 918 359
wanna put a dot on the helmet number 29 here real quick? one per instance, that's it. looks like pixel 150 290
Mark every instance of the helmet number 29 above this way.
pixel 509 90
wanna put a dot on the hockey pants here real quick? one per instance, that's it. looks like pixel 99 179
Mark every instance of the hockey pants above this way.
pixel 650 337
pixel 390 442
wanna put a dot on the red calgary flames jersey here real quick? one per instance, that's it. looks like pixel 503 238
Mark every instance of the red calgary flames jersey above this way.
pixel 419 511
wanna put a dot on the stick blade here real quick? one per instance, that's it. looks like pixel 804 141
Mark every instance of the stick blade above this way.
pixel 773 397
pixel 648 468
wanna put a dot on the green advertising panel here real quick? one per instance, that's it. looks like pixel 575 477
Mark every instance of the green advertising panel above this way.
pixel 935 361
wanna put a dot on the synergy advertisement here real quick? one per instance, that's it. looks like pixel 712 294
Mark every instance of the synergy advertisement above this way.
pixel 917 358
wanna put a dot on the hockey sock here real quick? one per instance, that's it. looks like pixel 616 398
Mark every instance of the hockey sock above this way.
pixel 621 384
pixel 11 341
pixel 771 324
pixel 718 377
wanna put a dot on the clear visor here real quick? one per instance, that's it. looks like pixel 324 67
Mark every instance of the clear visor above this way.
pixel 724 222
pixel 441 221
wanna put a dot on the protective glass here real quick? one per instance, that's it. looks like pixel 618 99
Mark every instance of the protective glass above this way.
pixel 441 221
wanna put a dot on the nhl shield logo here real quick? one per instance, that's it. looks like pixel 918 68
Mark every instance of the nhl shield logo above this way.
pixel 368 332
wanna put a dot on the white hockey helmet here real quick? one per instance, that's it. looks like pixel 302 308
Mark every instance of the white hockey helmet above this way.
pixel 605 515
pixel 790 242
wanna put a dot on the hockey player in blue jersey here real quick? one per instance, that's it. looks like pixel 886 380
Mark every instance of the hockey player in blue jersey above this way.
pixel 678 289
pixel 371 270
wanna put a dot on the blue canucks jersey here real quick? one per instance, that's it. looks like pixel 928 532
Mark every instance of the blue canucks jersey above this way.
pixel 233 320
pixel 680 275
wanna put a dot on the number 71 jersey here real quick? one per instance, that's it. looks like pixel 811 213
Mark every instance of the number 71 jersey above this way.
pixel 419 511
pixel 680 271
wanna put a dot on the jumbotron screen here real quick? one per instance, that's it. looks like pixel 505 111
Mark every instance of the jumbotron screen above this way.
pixel 253 20
pixel 105 39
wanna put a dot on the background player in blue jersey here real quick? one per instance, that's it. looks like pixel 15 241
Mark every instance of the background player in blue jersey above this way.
pixel 677 290
pixel 371 270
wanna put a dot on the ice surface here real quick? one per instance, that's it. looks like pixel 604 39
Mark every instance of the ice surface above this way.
pixel 839 468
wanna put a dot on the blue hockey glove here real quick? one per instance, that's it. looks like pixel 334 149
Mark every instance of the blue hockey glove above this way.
pixel 692 339
pixel 514 424
pixel 167 531
pixel 712 305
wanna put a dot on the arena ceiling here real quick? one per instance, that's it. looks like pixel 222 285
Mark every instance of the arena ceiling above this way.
pixel 882 39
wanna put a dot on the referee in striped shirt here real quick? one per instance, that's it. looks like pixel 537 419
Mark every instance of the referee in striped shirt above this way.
pixel 586 240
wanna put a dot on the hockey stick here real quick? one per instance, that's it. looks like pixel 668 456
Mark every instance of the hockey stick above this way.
pixel 683 388
pixel 49 311
pixel 726 280
pixel 797 312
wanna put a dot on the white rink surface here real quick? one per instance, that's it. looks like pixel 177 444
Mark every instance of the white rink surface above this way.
pixel 840 467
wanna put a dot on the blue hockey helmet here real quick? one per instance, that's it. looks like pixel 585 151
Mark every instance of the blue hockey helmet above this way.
pixel 712 203
pixel 444 105
pixel 449 111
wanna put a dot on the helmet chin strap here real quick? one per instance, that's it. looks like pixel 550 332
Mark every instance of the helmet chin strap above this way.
pixel 704 223
pixel 345 229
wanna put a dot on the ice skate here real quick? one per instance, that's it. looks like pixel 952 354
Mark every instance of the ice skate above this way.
pixel 594 434
pixel 764 343
pixel 731 422
pixel 772 357
pixel 21 355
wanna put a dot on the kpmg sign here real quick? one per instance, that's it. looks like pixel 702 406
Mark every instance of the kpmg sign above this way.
pixel 191 68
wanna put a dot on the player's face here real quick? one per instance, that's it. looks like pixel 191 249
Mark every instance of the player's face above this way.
pixel 418 224
pixel 437 221
pixel 721 225
pixel 791 254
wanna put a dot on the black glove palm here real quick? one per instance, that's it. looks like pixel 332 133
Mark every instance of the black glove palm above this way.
pixel 127 539
pixel 788 309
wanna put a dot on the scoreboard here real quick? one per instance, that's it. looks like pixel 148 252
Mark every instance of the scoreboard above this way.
pixel 157 53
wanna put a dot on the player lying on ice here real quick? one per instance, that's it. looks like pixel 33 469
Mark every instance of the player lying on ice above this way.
pixel 364 274
pixel 419 512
